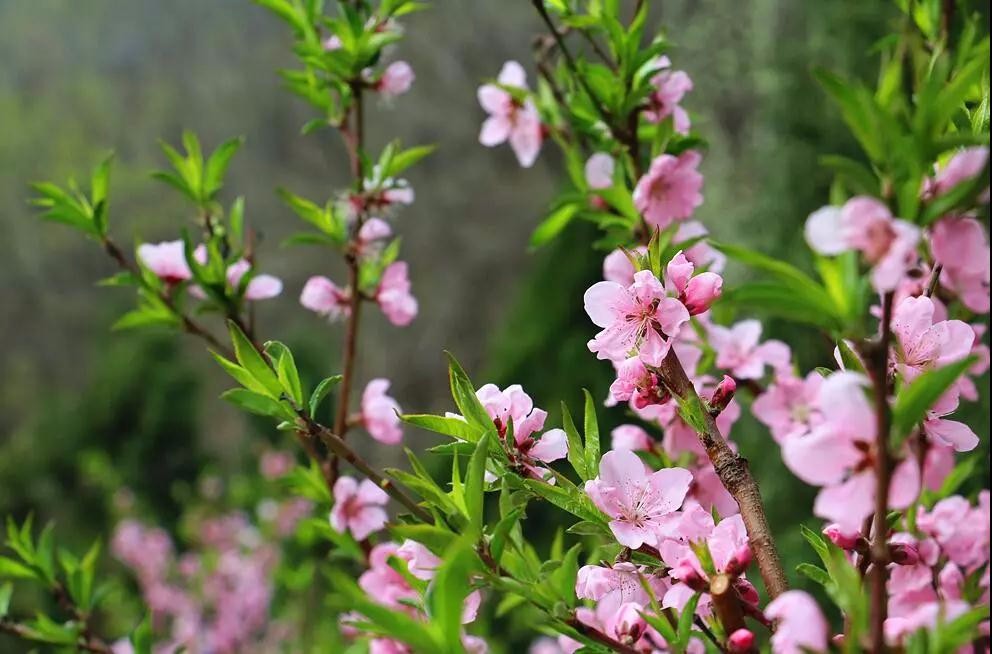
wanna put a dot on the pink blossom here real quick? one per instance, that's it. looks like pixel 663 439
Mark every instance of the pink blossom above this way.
pixel 511 119
pixel 396 79
pixel 514 405
pixel 924 344
pixel 380 413
pixel 961 247
pixel 383 583
pixel 260 287
pixel 388 646
pixel 788 406
pixel 372 232
pixel 358 507
pixel 167 260
pixel 738 350
pixel 640 317
pixel 617 585
pixel 422 563
pixel 963 166
pixel 630 437
pixel 670 87
pixel 275 464
pixel 949 432
pixel 800 626
pixel 325 298
pixel 837 453
pixel 394 295
pixel 670 190
pixel 332 43
pixel 961 530
pixel 599 171
pixel 635 499
pixel 866 224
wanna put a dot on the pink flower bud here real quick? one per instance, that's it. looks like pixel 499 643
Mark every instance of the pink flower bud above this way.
pixel 741 641
pixel 685 572
pixel 747 592
pixel 845 539
pixel 396 79
pixel 702 291
pixel 903 554
pixel 723 394
pixel 740 561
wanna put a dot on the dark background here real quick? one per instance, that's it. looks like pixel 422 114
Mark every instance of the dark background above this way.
pixel 84 412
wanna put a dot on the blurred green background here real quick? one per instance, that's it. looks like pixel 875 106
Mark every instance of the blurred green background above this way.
pixel 78 78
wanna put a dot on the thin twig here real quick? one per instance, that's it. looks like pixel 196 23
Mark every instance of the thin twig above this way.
pixel 353 132
pixel 879 371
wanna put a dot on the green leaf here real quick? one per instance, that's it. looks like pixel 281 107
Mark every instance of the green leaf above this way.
pixel 501 533
pixel 576 452
pixel 447 592
pixel 403 160
pixel 286 372
pixel 319 393
pixel 252 361
pixel 261 405
pixel 141 637
pixel 448 426
pixel 814 572
pixel 6 591
pixel 475 486
pixel 11 569
pixel 465 398
pixel 914 400
pixel 592 435
pixel 554 224
pixel 563 577
pixel 213 176
pixel 567 498
pixel 684 628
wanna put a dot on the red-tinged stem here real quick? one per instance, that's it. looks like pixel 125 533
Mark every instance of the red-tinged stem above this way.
pixel 879 371
pixel 353 132
pixel 726 603
pixel 733 471
pixel 601 638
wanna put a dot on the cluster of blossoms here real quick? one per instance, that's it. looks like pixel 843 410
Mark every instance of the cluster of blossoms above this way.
pixel 167 261
pixel 385 584
pixel 214 599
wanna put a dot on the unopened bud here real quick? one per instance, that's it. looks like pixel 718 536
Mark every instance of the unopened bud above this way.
pixel 845 539
pixel 903 554
pixel 741 642
pixel 837 640
pixel 630 623
pixel 688 575
pixel 722 395
pixel 747 592
pixel 739 561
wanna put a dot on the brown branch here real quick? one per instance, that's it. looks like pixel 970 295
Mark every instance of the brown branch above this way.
pixel 353 133
pixel 878 358
pixel 336 445
pixel 736 477
pixel 726 603
pixel 600 637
